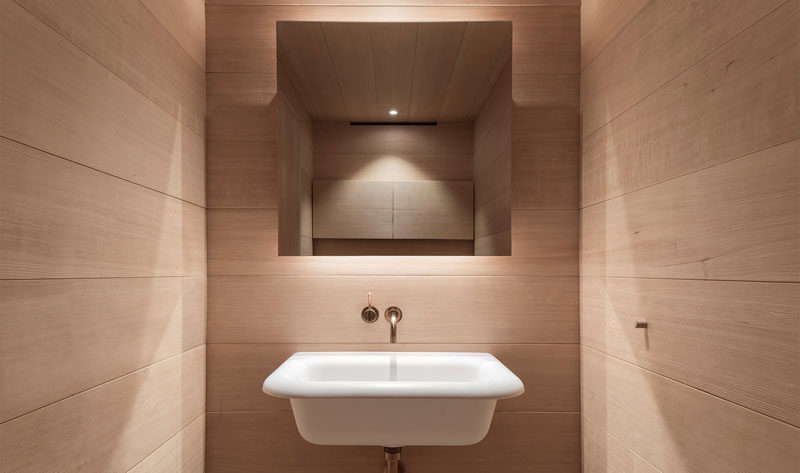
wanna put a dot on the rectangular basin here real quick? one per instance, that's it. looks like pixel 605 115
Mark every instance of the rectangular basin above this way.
pixel 393 399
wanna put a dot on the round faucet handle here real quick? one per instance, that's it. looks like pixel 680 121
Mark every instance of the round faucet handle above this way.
pixel 369 314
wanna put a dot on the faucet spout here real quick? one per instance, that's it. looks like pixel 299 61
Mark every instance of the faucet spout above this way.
pixel 393 315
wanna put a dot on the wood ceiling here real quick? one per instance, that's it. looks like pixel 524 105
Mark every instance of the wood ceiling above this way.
pixel 426 71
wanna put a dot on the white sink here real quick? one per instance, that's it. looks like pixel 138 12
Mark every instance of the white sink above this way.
pixel 393 399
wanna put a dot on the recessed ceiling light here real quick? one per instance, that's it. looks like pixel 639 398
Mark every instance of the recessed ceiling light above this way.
pixel 392 112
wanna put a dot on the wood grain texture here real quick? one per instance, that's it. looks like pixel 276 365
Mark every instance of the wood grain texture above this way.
pixel 58 99
pixel 435 57
pixel 664 39
pixel 550 232
pixel 186 22
pixel 738 100
pixel 242 174
pixel 350 47
pixel 63 220
pixel 494 244
pixel 239 37
pixel 459 3
pixel 343 138
pixel 375 247
pixel 534 309
pixel 129 41
pixel 546 108
pixel 603 453
pixel 241 107
pixel 736 340
pixel 601 22
pixel 241 234
pixel 353 209
pixel 388 166
pixel 738 221
pixel 433 210
pixel 86 431
pixel 545 175
pixel 516 443
pixel 53 330
pixel 183 453
pixel 678 428
pixel 236 372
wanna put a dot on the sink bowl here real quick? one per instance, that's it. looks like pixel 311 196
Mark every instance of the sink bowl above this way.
pixel 393 399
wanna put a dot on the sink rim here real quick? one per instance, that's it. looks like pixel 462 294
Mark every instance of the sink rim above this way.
pixel 493 381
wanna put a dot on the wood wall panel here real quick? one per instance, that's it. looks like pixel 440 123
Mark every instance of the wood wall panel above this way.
pixel 678 428
pixel 58 99
pixel 534 309
pixel 545 39
pixel 550 232
pixel 690 222
pixel 242 174
pixel 62 219
pixel 241 235
pixel 241 107
pixel 268 441
pixel 433 210
pixel 183 453
pixel 739 220
pixel 353 209
pixel 249 297
pixel 666 38
pixel 102 111
pixel 132 322
pixel 738 100
pixel 236 372
pixel 87 431
pixel 736 340
pixel 131 42
pixel 458 3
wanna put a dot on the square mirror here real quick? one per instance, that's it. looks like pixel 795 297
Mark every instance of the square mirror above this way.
pixel 394 138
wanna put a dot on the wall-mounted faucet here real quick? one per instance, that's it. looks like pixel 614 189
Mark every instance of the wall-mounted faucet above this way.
pixel 369 314
pixel 393 315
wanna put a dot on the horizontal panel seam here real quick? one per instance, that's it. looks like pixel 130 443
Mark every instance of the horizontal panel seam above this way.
pixel 116 378
pixel 620 441
pixel 689 279
pixel 85 166
pixel 139 92
pixel 694 171
pixel 176 434
pixel 689 386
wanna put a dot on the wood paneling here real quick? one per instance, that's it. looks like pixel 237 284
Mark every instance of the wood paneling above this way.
pixel 739 220
pixel 88 430
pixel 502 309
pixel 241 234
pixel 546 175
pixel 342 138
pixel 102 230
pixel 236 372
pixel 183 453
pixel 691 223
pixel 58 99
pixel 601 22
pixel 605 454
pixel 353 209
pixel 433 210
pixel 665 39
pixel 52 331
pixel 738 100
pixel 242 174
pixel 239 38
pixel 497 300
pixel 129 41
pixel 459 3
pixel 678 428
pixel 186 22
pixel 517 443
pixel 426 71
pixel 61 219
pixel 375 247
pixel 546 232
pixel 736 340
pixel 241 107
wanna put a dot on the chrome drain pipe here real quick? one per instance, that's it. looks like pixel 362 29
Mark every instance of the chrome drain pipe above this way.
pixel 392 455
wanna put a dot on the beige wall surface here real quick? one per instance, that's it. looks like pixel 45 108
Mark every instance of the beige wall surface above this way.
pixel 523 308
pixel 690 221
pixel 102 235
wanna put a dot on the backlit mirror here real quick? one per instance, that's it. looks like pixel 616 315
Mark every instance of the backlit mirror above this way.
pixel 394 138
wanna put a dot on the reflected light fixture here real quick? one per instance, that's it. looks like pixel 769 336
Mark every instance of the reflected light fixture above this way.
pixel 392 112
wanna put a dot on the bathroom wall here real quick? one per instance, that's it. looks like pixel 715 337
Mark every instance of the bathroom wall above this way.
pixel 690 222
pixel 399 153
pixel 492 170
pixel 262 307
pixel 102 240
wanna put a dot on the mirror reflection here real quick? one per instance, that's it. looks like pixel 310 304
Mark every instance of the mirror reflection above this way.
pixel 394 138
